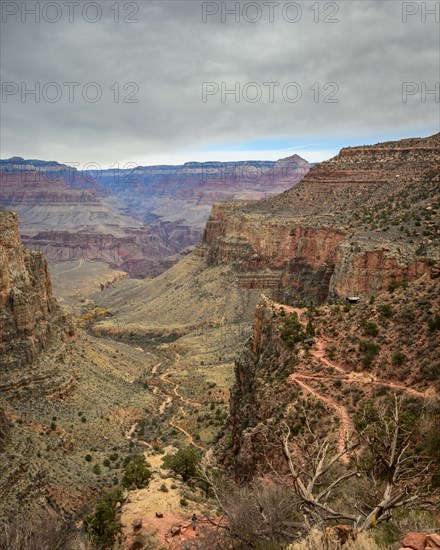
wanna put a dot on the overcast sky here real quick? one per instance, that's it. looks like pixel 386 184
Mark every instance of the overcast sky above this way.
pixel 337 68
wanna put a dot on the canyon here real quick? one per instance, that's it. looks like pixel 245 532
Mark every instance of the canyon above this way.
pixel 352 225
pixel 138 220
pixel 246 332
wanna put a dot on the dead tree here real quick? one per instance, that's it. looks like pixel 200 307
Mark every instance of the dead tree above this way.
pixel 385 459
pixel 256 514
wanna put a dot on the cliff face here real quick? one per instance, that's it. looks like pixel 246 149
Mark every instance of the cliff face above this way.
pixel 352 225
pixel 28 311
pixel 271 251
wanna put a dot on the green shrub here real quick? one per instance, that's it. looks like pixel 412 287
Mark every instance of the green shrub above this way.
pixel 310 329
pixel 96 469
pixel 88 458
pixel 386 310
pixel 136 475
pixel 106 462
pixel 395 284
pixel 293 331
pixel 185 462
pixel 399 358
pixel 434 322
pixel 183 502
pixel 369 350
pixel 102 525
pixel 371 329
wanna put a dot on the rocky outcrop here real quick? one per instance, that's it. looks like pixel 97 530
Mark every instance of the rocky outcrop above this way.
pixel 368 267
pixel 258 399
pixel 29 314
pixel 324 237
pixel 420 541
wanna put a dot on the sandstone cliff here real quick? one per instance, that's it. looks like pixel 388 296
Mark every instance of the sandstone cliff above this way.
pixel 29 315
pixel 351 226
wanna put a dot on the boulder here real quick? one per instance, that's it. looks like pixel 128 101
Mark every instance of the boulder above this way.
pixel 159 514
pixel 176 530
pixel 433 542
pixel 137 524
pixel 415 541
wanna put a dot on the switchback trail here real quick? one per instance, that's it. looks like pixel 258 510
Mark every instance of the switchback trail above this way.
pixel 166 403
pixel 346 426
pixel 318 352
pixel 188 435
pixel 176 393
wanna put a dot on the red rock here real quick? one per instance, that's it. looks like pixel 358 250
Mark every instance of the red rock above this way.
pixel 159 514
pixel 433 542
pixel 29 311
pixel 175 530
pixel 416 541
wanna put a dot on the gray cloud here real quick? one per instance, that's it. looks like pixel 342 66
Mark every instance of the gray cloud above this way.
pixel 170 52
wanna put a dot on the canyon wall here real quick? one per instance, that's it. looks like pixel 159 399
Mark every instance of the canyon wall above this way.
pixel 137 219
pixel 29 314
pixel 350 227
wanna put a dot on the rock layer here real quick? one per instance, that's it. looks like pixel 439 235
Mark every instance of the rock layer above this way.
pixel 312 241
pixel 29 314
pixel 137 220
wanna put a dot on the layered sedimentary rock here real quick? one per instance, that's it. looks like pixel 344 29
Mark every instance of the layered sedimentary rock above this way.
pixel 29 315
pixel 137 220
pixel 351 226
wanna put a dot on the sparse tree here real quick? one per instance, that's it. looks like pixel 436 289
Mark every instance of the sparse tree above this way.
pixel 185 463
pixel 385 456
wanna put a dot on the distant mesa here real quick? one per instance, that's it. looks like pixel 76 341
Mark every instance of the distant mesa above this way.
pixel 137 220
